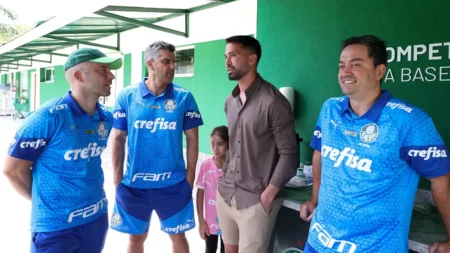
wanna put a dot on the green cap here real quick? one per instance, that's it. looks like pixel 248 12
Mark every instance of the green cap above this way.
pixel 93 55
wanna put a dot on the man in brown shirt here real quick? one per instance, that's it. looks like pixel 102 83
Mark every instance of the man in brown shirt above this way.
pixel 263 153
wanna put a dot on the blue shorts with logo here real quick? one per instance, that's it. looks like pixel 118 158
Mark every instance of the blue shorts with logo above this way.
pixel 134 207
pixel 86 238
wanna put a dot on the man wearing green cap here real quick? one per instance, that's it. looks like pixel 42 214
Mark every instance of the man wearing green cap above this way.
pixel 54 159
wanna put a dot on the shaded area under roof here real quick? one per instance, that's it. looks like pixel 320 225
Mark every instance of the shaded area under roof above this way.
pixel 111 20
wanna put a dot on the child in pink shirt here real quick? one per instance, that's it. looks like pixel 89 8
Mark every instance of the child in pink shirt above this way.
pixel 207 180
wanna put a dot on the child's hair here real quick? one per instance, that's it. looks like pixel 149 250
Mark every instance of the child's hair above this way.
pixel 222 132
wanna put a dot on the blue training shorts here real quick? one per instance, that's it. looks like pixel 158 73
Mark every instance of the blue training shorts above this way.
pixel 134 207
pixel 86 238
pixel 309 249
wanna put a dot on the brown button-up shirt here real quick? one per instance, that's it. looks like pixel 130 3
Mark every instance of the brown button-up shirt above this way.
pixel 263 148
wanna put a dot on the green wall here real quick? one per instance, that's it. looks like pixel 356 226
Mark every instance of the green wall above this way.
pixel 57 88
pixel 210 86
pixel 28 105
pixel 144 67
pixel 301 48
pixel 126 70
pixel 27 86
pixel 17 78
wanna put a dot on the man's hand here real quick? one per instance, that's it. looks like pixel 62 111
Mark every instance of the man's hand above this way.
pixel 268 196
pixel 203 229
pixel 117 182
pixel 118 140
pixel 18 172
pixel 440 247
pixel 191 182
pixel 266 203
pixel 191 154
pixel 307 210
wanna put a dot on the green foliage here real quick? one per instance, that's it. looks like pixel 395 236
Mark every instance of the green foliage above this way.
pixel 10 31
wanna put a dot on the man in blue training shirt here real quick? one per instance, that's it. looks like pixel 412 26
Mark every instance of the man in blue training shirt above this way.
pixel 62 142
pixel 154 114
pixel 370 150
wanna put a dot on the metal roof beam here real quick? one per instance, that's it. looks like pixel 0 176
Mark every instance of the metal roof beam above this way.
pixel 93 25
pixel 41 51
pixel 143 9
pixel 16 54
pixel 43 44
pixel 139 23
pixel 21 64
pixel 82 42
pixel 87 31
pixel 175 15
pixel 166 17
pixel 22 58
pixel 210 5
pixel 186 24
pixel 9 57
pixel 12 67
pixel 17 60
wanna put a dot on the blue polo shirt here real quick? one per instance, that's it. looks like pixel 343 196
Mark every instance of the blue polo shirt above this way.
pixel 370 171
pixel 155 126
pixel 65 144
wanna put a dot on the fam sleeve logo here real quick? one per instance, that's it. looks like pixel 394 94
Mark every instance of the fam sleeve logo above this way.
pixel 58 107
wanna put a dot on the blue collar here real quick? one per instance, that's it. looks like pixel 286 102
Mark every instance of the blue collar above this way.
pixel 144 91
pixel 78 111
pixel 374 111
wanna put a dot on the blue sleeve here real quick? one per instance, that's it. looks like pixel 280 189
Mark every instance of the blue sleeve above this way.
pixel 192 116
pixel 423 148
pixel 120 113
pixel 316 141
pixel 33 136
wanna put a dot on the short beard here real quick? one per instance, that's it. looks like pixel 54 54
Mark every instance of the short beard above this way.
pixel 237 75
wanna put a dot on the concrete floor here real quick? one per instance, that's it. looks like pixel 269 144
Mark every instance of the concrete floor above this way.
pixel 15 211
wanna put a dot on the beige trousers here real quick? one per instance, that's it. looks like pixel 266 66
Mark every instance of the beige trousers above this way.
pixel 250 228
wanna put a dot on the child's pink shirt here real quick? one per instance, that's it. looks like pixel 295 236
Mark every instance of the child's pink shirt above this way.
pixel 207 180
